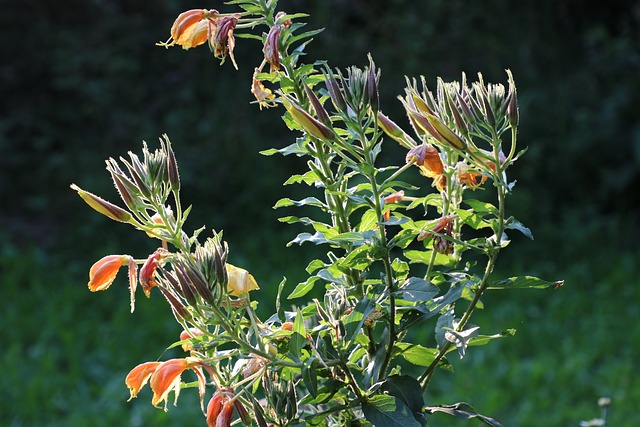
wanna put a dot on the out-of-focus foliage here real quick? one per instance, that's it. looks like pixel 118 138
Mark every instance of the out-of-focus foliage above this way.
pixel 81 80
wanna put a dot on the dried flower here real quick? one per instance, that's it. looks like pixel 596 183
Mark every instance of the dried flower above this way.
pixel 147 279
pixel 261 93
pixel 468 177
pixel 222 41
pixel 270 49
pixel 240 281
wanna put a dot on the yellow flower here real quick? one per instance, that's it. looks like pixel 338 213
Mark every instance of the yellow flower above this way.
pixel 240 281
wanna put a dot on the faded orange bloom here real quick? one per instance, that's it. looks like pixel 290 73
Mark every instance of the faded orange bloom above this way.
pixel 139 376
pixel 147 279
pixel 261 93
pixel 394 197
pixel 168 375
pixel 191 28
pixel 240 281
pixel 103 273
pixel 468 177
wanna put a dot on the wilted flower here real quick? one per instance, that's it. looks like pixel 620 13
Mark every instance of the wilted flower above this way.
pixel 147 279
pixel 261 93
pixel 270 49
pixel 240 281
pixel 222 42
pixel 468 177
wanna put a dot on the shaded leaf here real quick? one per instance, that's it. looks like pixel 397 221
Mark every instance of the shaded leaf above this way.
pixel 388 411
pixel 416 289
pixel 525 282
pixel 462 410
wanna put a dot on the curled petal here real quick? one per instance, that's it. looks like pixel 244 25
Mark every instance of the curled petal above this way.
pixel 139 376
pixel 103 273
pixel 166 378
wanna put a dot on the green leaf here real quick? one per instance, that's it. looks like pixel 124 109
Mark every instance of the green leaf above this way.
pixel 416 354
pixel 299 336
pixel 462 410
pixel 472 219
pixel 369 221
pixel 482 207
pixel 418 290
pixel 520 282
pixel 310 376
pixel 384 410
pixel 407 389
pixel 485 339
pixel 317 238
pixel 303 288
pixel 514 224
pixel 308 201
pixel 424 257
pixel 279 308
pixel 354 320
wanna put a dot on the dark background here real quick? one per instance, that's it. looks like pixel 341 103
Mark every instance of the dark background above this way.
pixel 81 81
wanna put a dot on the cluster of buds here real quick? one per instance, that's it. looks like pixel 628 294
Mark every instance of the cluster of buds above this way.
pixel 144 188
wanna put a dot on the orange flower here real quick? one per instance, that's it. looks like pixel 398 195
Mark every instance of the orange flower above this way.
pixel 103 273
pixel 139 376
pixel 467 177
pixel 191 28
pixel 261 93
pixel 167 377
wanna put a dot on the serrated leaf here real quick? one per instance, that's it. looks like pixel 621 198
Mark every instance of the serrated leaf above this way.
pixel 388 411
pixel 521 282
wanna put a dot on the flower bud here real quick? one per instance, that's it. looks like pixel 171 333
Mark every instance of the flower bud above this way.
pixel 310 125
pixel 512 108
pixel 317 106
pixel 394 131
pixel 172 166
pixel 335 93
pixel 372 85
pixel 108 209
pixel 446 135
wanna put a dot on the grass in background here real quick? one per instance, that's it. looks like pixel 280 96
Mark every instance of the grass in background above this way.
pixel 66 351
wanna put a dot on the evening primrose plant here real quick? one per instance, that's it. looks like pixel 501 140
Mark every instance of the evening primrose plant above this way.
pixel 399 256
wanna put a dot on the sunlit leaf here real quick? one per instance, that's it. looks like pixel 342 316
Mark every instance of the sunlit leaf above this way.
pixel 384 410
pixel 525 282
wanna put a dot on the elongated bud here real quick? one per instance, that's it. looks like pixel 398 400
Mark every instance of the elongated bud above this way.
pixel 457 117
pixel 311 125
pixel 394 131
pixel 512 108
pixel 127 190
pixel 317 106
pixel 446 134
pixel 108 209
pixel 172 166
pixel 242 412
pixel 179 310
pixel 372 86
pixel 334 92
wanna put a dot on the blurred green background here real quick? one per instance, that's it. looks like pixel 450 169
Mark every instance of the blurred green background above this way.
pixel 81 81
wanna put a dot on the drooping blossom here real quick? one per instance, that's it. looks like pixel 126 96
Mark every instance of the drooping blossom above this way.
pixel 468 177
pixel 139 376
pixel 104 272
pixel 261 93
pixel 167 377
pixel 147 272
pixel 221 41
